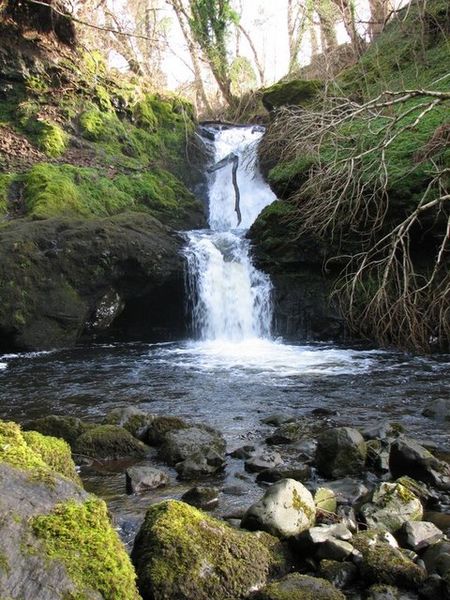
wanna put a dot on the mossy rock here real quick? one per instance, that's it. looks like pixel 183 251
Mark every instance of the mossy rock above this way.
pixel 300 587
pixel 66 428
pixel 298 92
pixel 109 442
pixel 52 139
pixel 43 456
pixel 82 538
pixel 392 505
pixel 180 552
pixel 132 419
pixel 382 563
pixel 161 426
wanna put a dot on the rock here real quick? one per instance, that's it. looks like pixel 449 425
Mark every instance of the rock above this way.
pixel 140 479
pixel 382 563
pixel 323 412
pixel 434 588
pixel 419 489
pixel 180 552
pixel 381 431
pixel 378 456
pixel 388 592
pixel 300 587
pixel 160 427
pixel 67 428
pixel 438 409
pixel 243 452
pixel 182 444
pixel 348 490
pixel 55 540
pixel 132 419
pixel 109 442
pixel 418 535
pixel 286 509
pixel 205 498
pixel 262 460
pixel 277 419
pixel 391 506
pixel 200 464
pixel 297 92
pixel 340 451
pixel 325 500
pixel 340 574
pixel 300 472
pixel 407 457
pixel 327 541
pixel 287 433
pixel 437 558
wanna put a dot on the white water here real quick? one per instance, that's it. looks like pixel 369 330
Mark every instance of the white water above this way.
pixel 230 298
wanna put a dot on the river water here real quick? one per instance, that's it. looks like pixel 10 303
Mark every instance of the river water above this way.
pixel 233 373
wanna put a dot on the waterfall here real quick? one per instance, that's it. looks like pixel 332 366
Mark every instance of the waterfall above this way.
pixel 229 298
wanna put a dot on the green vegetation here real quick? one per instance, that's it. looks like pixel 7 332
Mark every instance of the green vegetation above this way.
pixel 82 538
pixel 109 442
pixel 5 182
pixel 52 139
pixel 298 92
pixel 41 455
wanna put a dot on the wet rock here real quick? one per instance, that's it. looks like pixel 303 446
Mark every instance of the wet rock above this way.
pixel 407 457
pixel 434 588
pixel 378 456
pixel 160 427
pixel 438 409
pixel 340 574
pixel 298 472
pixel 323 412
pixel 348 490
pixel 418 488
pixel 388 592
pixel 141 479
pixel 441 520
pixel 243 452
pixel 418 535
pixel 205 498
pixel 437 558
pixel 263 459
pixel 383 563
pixel 391 506
pixel 182 444
pixel 347 516
pixel 382 431
pixel 181 552
pixel 200 464
pixel 286 434
pixel 340 451
pixel 132 419
pixel 286 509
pixel 325 500
pixel 66 428
pixel 277 419
pixel 109 442
pixel 325 542
pixel 300 587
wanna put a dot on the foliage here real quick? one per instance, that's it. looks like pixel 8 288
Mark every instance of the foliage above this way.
pixel 5 182
pixel 82 538
pixel 52 139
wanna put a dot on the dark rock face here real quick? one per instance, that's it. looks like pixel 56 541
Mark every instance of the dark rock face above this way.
pixel 61 272
pixel 407 457
pixel 341 451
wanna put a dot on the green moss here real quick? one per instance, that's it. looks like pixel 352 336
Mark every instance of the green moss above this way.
pixel 97 125
pixel 301 506
pixel 54 452
pixel 298 92
pixel 63 427
pixel 300 587
pixel 109 442
pixel 15 451
pixel 5 182
pixel 82 538
pixel 52 140
pixel 182 553
pixel 4 564
pixel 144 114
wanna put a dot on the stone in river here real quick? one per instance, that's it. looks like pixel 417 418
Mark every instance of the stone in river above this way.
pixel 341 451
pixel 140 479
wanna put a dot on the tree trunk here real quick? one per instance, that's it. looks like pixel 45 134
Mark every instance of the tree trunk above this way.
pixel 379 11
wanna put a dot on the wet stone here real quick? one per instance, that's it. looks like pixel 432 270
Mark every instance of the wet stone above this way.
pixel 243 452
pixel 298 472
pixel 348 490
pixel 277 419
pixel 262 460
pixel 418 535
pixel 340 574
pixel 341 451
pixel 205 498
pixel 391 506
pixel 286 434
pixel 140 479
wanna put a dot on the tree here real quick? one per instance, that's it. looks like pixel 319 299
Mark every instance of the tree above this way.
pixel 299 18
pixel 379 12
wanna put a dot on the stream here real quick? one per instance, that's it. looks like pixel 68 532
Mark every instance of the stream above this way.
pixel 233 373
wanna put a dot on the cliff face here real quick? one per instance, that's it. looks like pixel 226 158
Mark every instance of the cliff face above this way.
pixel 95 181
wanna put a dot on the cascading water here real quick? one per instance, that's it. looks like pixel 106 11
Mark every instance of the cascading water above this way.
pixel 230 299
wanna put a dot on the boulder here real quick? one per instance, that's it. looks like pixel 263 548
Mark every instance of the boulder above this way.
pixel 348 490
pixel 388 592
pixel 418 535
pixel 200 464
pixel 67 428
pixel 182 444
pixel 391 506
pixel 287 433
pixel 180 552
pixel 331 542
pixel 134 420
pixel 56 541
pixel 340 451
pixel 407 457
pixel 277 419
pixel 160 427
pixel 437 558
pixel 286 509
pixel 140 479
pixel 340 574
pixel 378 456
pixel 262 460
pixel 382 563
pixel 205 498
pixel 109 442
pixel 300 472
pixel 243 452
pixel 300 587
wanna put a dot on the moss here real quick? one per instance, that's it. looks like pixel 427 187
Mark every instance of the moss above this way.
pixel 182 553
pixel 66 428
pixel 109 442
pixel 384 564
pixel 5 182
pixel 54 452
pixel 52 139
pixel 42 456
pixel 144 114
pixel 4 564
pixel 298 92
pixel 302 507
pixel 97 125
pixel 82 538
pixel 300 587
